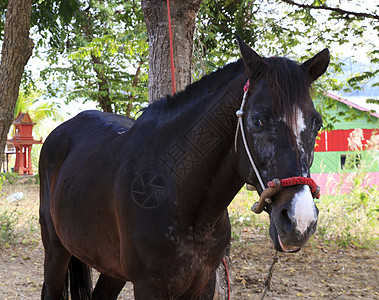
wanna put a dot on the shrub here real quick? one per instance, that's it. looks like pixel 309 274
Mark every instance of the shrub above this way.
pixel 8 222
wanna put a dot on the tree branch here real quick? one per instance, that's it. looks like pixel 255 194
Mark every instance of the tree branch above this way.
pixel 334 9
pixel 134 84
pixel 103 86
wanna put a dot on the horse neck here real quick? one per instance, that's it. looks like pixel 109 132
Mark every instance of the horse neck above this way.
pixel 206 175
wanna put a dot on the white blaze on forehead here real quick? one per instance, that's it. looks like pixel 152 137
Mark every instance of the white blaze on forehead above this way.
pixel 303 209
pixel 298 129
pixel 298 126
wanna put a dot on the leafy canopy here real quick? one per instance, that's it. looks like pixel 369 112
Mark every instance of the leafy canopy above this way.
pixel 98 50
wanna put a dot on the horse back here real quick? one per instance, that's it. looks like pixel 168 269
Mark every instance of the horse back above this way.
pixel 87 130
pixel 76 165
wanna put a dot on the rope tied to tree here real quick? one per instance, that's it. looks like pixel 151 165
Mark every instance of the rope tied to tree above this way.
pixel 173 84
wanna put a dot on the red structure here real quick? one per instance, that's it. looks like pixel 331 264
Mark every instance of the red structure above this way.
pixel 23 141
pixel 337 140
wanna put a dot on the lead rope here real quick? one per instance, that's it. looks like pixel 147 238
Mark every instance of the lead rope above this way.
pixel 270 274
pixel 240 114
pixel 227 277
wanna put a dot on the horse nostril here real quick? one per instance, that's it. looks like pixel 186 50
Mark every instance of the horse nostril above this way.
pixel 285 215
pixel 312 227
pixel 287 221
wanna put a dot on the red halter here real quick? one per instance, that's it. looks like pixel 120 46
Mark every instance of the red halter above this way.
pixel 315 190
pixel 274 186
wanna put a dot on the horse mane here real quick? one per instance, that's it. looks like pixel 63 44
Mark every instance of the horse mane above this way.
pixel 289 87
pixel 208 84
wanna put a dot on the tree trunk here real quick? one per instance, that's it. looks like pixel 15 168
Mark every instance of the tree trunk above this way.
pixel 183 15
pixel 17 49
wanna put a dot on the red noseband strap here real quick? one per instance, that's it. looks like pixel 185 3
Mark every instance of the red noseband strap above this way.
pixel 274 186
pixel 315 190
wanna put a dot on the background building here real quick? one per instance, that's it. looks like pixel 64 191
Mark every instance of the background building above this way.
pixel 351 149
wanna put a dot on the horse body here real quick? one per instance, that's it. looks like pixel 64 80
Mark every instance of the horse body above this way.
pixel 146 201
pixel 178 240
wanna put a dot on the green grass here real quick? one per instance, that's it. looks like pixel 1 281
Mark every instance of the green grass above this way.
pixel 350 219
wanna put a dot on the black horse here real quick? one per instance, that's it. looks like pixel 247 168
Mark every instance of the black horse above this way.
pixel 146 201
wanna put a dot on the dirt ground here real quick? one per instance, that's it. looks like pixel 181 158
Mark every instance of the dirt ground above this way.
pixel 315 272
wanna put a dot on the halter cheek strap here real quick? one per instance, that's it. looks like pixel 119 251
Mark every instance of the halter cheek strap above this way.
pixel 240 126
pixel 275 184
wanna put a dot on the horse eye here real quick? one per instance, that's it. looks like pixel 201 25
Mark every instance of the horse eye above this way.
pixel 257 122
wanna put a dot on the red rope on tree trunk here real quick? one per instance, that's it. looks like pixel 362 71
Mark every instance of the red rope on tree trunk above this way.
pixel 171 49
pixel 173 92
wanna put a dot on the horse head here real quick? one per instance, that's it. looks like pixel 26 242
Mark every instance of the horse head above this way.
pixel 278 126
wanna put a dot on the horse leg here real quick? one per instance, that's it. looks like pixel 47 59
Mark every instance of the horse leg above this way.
pixel 55 270
pixel 222 285
pixel 56 261
pixel 107 288
pixel 209 292
pixel 55 275
pixel 142 291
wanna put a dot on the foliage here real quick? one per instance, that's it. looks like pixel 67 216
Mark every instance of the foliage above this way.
pixel 242 218
pixel 19 219
pixel 104 56
pixel 283 27
pixel 29 100
pixel 2 179
pixel 49 18
pixel 10 178
pixel 352 219
pixel 8 221
pixel 98 49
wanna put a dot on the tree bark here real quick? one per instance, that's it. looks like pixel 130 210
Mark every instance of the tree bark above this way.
pixel 16 51
pixel 183 17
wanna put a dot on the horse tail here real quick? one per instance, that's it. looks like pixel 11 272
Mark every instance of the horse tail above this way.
pixel 80 279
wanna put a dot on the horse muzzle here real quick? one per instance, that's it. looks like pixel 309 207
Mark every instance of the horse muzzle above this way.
pixel 293 212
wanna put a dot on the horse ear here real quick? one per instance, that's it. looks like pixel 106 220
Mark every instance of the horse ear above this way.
pixel 317 65
pixel 249 56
